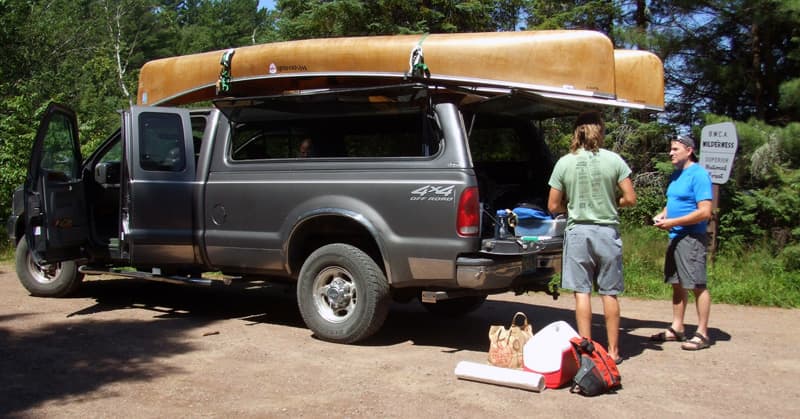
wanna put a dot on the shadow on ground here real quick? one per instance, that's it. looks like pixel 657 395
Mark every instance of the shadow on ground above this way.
pixel 410 322
pixel 71 359
pixel 63 361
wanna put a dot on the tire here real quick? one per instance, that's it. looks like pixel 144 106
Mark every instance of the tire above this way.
pixel 342 294
pixel 53 280
pixel 455 307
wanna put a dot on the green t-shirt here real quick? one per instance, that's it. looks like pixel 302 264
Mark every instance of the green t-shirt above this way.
pixel 589 181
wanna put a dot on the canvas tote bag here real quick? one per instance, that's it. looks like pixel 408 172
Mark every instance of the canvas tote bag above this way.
pixel 506 343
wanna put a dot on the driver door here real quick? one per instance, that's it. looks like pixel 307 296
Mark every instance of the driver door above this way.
pixel 55 203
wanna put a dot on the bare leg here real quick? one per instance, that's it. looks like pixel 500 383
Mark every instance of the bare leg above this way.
pixel 703 301
pixel 583 314
pixel 612 313
pixel 680 297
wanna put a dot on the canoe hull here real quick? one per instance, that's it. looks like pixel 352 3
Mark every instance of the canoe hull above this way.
pixel 570 63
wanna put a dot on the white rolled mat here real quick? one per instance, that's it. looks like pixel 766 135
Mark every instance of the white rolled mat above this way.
pixel 483 373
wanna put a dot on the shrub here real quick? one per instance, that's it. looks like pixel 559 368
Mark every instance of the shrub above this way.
pixel 763 214
pixel 790 258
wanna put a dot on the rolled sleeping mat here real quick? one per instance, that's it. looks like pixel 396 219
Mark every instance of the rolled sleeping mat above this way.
pixel 483 373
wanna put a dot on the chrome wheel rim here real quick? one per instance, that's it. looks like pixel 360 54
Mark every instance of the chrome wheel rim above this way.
pixel 335 294
pixel 43 274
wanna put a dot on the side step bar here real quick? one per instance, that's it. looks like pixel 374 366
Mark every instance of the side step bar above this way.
pixel 150 276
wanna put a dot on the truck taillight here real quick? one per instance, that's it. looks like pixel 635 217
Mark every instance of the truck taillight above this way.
pixel 469 213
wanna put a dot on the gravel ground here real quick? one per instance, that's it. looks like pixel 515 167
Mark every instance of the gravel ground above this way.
pixel 141 349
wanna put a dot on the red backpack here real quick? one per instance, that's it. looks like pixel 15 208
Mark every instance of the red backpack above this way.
pixel 597 372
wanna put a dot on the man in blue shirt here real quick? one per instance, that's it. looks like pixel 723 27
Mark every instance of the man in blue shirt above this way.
pixel 685 217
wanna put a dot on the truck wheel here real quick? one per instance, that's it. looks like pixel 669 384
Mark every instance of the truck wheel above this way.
pixel 455 307
pixel 342 294
pixel 53 280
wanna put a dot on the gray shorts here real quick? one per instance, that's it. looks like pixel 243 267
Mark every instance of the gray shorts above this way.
pixel 593 260
pixel 685 262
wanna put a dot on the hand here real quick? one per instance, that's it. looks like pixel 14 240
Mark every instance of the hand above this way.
pixel 662 223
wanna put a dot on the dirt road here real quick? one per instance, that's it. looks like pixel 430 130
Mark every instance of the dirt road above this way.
pixel 141 349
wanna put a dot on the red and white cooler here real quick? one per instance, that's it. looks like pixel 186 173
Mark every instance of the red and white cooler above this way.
pixel 550 354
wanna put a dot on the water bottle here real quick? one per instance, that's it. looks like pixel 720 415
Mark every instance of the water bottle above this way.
pixel 501 232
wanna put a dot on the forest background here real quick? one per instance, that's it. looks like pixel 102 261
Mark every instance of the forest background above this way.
pixel 726 60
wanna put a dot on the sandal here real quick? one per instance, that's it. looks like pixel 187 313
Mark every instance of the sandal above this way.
pixel 674 336
pixel 702 342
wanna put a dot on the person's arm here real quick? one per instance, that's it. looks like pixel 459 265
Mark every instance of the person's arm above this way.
pixel 628 198
pixel 555 202
pixel 702 213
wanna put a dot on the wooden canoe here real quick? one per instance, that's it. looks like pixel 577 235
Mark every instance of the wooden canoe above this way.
pixel 575 61
pixel 567 63
pixel 639 78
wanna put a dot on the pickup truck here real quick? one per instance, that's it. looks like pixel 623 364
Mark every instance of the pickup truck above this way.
pixel 394 197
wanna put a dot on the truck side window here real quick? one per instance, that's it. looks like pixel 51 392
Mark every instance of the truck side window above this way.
pixel 161 142
pixel 57 155
pixel 114 154
pixel 350 136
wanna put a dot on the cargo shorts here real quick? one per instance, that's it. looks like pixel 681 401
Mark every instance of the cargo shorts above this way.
pixel 685 262
pixel 593 260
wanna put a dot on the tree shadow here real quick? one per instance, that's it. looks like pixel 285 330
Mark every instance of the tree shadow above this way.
pixel 68 360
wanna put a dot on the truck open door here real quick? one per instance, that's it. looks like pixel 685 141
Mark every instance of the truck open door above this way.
pixel 157 198
pixel 55 204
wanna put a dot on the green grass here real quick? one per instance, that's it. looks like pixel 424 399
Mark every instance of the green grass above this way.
pixel 752 277
pixel 643 263
pixel 6 250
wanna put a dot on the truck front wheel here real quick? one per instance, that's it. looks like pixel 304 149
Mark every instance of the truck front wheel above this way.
pixel 342 294
pixel 52 280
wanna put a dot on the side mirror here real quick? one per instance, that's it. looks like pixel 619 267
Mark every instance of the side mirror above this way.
pixel 107 174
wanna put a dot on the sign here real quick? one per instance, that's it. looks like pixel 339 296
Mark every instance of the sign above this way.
pixel 718 143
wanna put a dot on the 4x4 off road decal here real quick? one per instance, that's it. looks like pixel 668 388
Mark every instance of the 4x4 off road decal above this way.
pixel 433 193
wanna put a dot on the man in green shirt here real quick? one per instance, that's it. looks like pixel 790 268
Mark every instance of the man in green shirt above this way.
pixel 590 183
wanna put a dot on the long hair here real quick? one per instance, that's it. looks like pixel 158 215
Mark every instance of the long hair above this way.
pixel 589 132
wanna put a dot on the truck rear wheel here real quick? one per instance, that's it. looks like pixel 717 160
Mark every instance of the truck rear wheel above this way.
pixel 342 294
pixel 52 280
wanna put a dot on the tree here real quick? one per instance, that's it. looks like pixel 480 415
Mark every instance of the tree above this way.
pixel 314 19
pixel 48 44
pixel 598 15
pixel 211 25
pixel 728 57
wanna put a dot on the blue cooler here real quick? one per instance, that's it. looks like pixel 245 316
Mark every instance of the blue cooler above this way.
pixel 533 222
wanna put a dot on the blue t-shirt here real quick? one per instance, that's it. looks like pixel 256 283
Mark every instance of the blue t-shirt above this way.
pixel 687 187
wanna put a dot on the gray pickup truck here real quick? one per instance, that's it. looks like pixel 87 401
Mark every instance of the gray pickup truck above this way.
pixel 358 196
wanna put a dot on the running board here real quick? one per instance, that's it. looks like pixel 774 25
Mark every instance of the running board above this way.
pixel 150 276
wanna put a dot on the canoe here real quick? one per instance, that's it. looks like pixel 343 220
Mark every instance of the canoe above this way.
pixel 579 61
pixel 639 78
pixel 572 64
